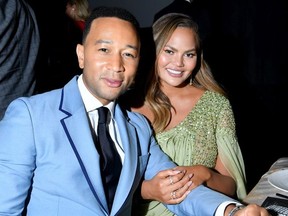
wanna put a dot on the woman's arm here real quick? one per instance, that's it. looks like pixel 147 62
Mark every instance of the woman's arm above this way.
pixel 217 179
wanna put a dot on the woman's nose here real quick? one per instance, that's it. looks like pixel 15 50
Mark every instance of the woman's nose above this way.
pixel 179 61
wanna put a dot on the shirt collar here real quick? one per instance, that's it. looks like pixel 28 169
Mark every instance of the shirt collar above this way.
pixel 91 103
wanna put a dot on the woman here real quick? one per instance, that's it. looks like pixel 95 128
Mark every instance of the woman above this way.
pixel 191 116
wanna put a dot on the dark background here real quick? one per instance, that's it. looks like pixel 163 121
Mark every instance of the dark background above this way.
pixel 248 54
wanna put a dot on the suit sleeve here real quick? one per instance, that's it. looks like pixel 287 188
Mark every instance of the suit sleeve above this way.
pixel 17 158
pixel 157 159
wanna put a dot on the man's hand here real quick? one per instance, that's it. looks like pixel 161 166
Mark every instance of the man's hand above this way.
pixel 249 210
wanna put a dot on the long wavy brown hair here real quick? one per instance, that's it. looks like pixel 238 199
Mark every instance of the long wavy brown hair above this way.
pixel 202 76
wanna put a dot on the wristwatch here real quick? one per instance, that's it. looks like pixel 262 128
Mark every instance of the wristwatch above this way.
pixel 235 209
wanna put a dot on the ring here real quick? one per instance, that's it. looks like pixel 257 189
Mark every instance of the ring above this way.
pixel 171 180
pixel 173 195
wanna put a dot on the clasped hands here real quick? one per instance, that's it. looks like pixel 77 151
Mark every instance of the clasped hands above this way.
pixel 168 186
pixel 173 185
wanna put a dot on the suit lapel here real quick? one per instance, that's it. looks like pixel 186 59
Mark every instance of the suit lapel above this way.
pixel 77 128
pixel 128 138
pixel 78 131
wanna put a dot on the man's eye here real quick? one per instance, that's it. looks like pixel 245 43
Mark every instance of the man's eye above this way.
pixel 103 50
pixel 129 55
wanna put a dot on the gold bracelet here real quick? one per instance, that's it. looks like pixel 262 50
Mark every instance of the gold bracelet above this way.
pixel 235 209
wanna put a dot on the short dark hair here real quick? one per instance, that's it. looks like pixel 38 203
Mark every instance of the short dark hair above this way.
pixel 104 11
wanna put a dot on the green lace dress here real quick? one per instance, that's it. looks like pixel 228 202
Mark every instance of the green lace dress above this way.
pixel 208 130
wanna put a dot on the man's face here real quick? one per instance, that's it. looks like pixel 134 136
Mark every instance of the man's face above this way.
pixel 109 58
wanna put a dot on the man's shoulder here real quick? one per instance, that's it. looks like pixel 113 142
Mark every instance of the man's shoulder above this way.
pixel 135 118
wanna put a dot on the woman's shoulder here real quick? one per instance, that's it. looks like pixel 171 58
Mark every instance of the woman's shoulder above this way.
pixel 215 97
pixel 212 100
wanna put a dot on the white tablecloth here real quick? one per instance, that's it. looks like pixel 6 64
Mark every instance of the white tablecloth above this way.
pixel 263 188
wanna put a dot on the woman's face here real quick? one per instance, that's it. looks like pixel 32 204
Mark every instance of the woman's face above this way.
pixel 178 58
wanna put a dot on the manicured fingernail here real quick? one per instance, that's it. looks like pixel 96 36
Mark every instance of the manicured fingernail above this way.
pixel 177 171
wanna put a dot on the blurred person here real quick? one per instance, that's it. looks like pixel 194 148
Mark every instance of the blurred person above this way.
pixel 19 46
pixel 78 11
pixel 190 113
pixel 47 140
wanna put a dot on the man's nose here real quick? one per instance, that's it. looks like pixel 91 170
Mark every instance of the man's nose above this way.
pixel 116 63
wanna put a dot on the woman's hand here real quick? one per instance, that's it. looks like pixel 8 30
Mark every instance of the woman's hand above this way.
pixel 211 178
pixel 168 186
pixel 201 174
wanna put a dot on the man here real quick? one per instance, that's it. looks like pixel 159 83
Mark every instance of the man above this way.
pixel 19 45
pixel 46 141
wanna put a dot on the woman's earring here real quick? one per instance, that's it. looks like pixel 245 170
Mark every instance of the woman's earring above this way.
pixel 191 81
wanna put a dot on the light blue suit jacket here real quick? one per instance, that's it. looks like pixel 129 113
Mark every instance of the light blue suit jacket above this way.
pixel 46 142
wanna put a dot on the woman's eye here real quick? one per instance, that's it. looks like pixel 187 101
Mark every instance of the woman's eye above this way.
pixel 168 51
pixel 190 55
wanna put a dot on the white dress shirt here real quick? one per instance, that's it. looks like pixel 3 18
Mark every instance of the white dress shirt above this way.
pixel 91 104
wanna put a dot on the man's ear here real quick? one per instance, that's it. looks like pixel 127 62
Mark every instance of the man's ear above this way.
pixel 80 54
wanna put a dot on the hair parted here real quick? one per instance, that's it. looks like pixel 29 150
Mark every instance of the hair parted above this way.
pixel 105 11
